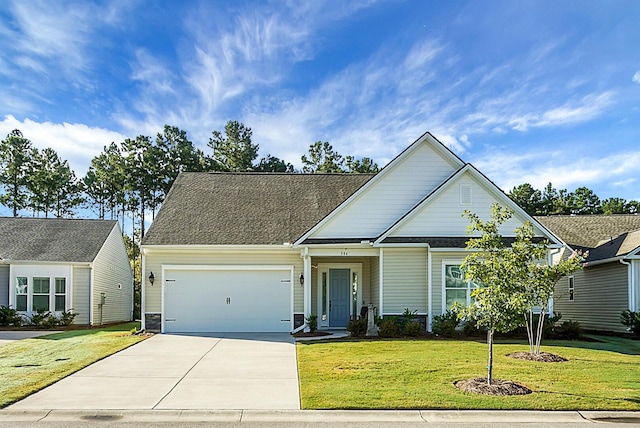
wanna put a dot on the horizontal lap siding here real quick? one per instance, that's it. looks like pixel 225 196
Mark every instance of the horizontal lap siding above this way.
pixel 81 295
pixel 110 268
pixel 4 285
pixel 600 294
pixel 155 260
pixel 375 282
pixel 405 280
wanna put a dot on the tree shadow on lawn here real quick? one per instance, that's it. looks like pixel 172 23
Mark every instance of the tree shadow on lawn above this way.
pixel 599 343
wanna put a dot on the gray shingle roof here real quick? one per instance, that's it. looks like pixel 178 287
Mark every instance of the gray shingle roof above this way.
pixel 605 236
pixel 247 208
pixel 52 240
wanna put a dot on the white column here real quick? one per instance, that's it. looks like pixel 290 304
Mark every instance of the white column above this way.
pixel 429 290
pixel 307 284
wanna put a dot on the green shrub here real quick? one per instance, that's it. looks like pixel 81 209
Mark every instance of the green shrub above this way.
pixel 66 318
pixel 389 328
pixel 445 325
pixel 568 330
pixel 631 320
pixel 9 316
pixel 312 322
pixel 413 329
pixel 470 329
pixel 357 327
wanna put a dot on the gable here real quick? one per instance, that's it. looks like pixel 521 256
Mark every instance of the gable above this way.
pixel 407 179
pixel 441 213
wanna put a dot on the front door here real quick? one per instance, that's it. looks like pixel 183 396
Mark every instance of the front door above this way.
pixel 339 297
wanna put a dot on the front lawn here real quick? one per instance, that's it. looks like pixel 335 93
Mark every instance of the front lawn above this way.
pixel 29 365
pixel 419 374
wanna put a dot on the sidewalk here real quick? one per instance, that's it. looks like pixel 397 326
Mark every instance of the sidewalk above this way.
pixel 310 417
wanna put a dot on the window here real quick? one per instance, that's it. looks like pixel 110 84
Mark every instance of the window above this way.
pixel 457 289
pixel 571 288
pixel 324 296
pixel 61 290
pixel 41 290
pixel 354 293
pixel 22 289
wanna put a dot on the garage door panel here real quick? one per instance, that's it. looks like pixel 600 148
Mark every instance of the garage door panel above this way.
pixel 234 300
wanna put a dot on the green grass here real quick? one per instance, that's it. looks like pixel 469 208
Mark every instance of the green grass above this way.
pixel 29 365
pixel 419 374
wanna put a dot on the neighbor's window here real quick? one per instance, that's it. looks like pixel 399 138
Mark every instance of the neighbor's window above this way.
pixel 61 290
pixel 22 289
pixel 457 289
pixel 571 288
pixel 41 290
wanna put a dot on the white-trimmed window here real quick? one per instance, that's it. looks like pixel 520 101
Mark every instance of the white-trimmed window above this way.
pixel 22 290
pixel 41 290
pixel 61 294
pixel 572 284
pixel 456 288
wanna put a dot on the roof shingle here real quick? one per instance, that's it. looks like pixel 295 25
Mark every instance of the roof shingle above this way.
pixel 247 208
pixel 51 239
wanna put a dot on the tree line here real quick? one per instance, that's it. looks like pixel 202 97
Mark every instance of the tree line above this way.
pixel 131 179
pixel 550 201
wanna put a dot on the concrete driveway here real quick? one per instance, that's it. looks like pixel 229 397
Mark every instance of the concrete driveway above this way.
pixel 13 335
pixel 184 372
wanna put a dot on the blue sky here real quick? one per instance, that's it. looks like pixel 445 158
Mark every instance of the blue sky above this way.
pixel 527 91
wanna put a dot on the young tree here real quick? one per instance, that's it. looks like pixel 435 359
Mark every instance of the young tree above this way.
pixel 234 150
pixel 491 265
pixel 15 165
pixel 322 159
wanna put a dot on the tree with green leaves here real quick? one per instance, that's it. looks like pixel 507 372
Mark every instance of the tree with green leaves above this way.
pixel 233 150
pixel 528 198
pixel 361 166
pixel 15 166
pixel 273 164
pixel 104 183
pixel 490 265
pixel 614 206
pixel 584 201
pixel 322 159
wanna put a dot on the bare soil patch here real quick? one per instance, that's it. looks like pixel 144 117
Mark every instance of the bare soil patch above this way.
pixel 314 334
pixel 543 357
pixel 498 387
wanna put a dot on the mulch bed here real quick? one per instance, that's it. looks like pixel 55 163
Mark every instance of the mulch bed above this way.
pixel 543 357
pixel 314 334
pixel 498 387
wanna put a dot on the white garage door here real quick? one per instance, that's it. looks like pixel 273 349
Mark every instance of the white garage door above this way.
pixel 229 299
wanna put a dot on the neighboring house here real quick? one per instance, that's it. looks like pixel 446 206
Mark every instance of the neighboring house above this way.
pixel 610 282
pixel 262 251
pixel 66 265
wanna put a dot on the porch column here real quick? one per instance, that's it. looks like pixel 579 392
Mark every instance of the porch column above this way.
pixel 307 284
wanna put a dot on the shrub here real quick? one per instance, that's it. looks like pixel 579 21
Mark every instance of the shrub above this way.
pixel 312 322
pixel 413 329
pixel 445 325
pixel 568 330
pixel 470 329
pixel 631 320
pixel 67 317
pixel 9 316
pixel 389 328
pixel 40 319
pixel 357 327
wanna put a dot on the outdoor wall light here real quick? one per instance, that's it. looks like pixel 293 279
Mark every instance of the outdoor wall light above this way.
pixel 301 279
pixel 152 278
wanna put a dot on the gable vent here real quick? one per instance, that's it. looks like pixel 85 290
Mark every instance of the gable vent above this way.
pixel 465 194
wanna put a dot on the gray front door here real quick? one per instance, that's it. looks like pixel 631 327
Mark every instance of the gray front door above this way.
pixel 339 297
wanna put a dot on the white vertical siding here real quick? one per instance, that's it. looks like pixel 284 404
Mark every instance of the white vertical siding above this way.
pixel 405 280
pixel 601 292
pixel 112 275
pixel 4 285
pixel 442 216
pixel 81 287
pixel 401 187
pixel 156 259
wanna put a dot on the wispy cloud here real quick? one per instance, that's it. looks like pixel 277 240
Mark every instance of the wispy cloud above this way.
pixel 636 77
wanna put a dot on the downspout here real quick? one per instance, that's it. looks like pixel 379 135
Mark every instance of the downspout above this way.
pixel 632 299
pixel 429 289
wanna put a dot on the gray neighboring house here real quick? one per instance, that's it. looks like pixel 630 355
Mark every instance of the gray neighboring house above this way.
pixel 610 281
pixel 66 265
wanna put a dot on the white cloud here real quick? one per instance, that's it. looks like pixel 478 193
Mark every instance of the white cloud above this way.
pixel 74 142
pixel 636 77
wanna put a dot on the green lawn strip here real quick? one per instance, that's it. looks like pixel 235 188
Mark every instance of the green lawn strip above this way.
pixel 28 365
pixel 412 374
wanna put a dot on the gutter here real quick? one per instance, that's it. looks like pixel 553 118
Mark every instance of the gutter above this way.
pixel 631 296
